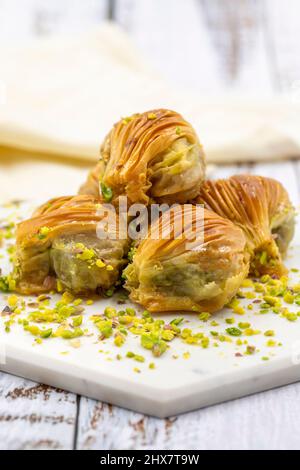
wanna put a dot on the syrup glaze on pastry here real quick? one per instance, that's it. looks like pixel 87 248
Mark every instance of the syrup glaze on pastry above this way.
pixel 198 269
pixel 261 208
pixel 153 156
pixel 60 243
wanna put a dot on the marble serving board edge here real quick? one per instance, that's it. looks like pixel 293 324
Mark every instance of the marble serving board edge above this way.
pixel 160 403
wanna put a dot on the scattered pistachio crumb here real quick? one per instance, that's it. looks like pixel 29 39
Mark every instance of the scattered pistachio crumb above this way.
pixel 186 355
pixel 269 333
pixel 250 349
pixel 204 316
pixel 43 232
pixel 289 298
pixel 233 331
pixel 239 310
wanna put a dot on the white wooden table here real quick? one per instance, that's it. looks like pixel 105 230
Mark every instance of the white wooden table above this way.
pixel 243 45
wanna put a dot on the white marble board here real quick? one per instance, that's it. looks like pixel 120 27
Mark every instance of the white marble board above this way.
pixel 175 386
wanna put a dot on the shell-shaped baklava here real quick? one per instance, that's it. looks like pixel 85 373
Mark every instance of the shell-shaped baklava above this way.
pixel 262 209
pixel 60 245
pixel 199 268
pixel 153 156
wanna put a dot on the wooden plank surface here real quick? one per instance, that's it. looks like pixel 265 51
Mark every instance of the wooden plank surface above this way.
pixel 173 38
pixel 282 25
pixel 30 18
pixel 238 38
pixel 34 416
pixel 209 46
pixel 202 44
pixel 266 420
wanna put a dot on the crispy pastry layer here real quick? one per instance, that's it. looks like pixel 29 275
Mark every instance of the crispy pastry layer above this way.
pixel 155 155
pixel 200 268
pixel 61 242
pixel 261 208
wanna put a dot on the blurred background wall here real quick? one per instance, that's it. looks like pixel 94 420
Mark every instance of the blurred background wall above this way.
pixel 246 47
pixel 249 46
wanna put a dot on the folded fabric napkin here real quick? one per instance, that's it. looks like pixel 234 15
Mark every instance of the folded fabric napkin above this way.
pixel 60 96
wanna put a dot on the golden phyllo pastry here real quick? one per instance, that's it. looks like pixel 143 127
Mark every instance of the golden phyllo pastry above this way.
pixel 60 246
pixel 261 208
pixel 199 268
pixel 154 156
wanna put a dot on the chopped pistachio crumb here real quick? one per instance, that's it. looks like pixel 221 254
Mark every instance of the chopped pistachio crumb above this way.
pixel 110 292
pixel 204 316
pixel 43 232
pixel 67 298
pixel 273 301
pixel 233 303
pixel 110 312
pixel 250 349
pixel 77 321
pixel 269 333
pixel 12 301
pixel 291 317
pixel 59 286
pixel 244 325
pixel 239 310
pixel 139 358
pixel 251 332
pixel 100 263
pixel 87 254
pixel 119 340
pixel 64 333
pixel 289 298
pixel 233 331
pixel 106 192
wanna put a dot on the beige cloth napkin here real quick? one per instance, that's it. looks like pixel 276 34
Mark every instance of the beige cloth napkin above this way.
pixel 60 96
pixel 38 177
